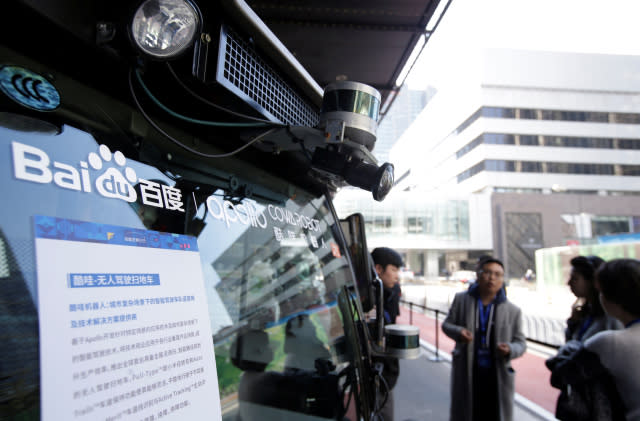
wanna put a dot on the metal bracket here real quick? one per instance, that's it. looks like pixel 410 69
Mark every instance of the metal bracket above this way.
pixel 334 131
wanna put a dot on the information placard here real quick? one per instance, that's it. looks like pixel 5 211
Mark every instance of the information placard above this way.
pixel 124 324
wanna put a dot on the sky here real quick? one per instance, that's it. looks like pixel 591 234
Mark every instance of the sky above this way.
pixel 589 26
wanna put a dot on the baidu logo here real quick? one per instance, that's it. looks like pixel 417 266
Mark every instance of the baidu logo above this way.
pixel 115 182
pixel 112 183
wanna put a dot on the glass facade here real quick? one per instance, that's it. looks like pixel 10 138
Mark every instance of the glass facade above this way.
pixel 587 228
pixel 433 220
pixel 379 224
pixel 607 225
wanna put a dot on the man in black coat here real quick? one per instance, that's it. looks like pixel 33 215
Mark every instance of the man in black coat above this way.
pixel 387 264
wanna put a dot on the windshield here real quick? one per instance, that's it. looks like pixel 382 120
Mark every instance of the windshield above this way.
pixel 115 273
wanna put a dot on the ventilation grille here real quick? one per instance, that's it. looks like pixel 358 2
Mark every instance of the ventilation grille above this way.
pixel 243 72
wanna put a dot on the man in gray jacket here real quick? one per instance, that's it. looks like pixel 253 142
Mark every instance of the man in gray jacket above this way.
pixel 487 329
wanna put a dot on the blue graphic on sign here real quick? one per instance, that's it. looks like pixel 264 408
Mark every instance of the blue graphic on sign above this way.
pixel 28 88
pixel 66 229
pixel 619 238
pixel 99 280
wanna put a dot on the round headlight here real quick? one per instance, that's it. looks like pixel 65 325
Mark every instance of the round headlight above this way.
pixel 165 28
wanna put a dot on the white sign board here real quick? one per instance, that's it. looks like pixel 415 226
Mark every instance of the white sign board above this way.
pixel 124 324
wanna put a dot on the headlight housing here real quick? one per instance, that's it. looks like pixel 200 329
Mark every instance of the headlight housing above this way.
pixel 164 29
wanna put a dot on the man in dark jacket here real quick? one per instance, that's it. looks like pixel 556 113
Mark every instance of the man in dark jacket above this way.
pixel 387 264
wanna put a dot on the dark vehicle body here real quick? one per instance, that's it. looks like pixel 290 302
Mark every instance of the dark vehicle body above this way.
pixel 151 208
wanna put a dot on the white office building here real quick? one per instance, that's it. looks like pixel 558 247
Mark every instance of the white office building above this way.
pixel 552 140
pixel 534 122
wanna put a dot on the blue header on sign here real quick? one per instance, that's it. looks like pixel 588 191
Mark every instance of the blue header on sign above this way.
pixel 89 232
pixel 98 280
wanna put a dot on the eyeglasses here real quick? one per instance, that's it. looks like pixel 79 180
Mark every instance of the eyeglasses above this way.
pixel 497 275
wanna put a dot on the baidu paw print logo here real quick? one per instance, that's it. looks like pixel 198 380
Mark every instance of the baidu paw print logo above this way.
pixel 112 183
pixel 115 181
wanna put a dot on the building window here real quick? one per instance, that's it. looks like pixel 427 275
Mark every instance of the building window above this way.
pixel 625 118
pixel 556 141
pixel 468 121
pixel 381 224
pixel 627 144
pixel 499 139
pixel 528 114
pixel 549 167
pixel 607 225
pixel 529 140
pixel 519 190
pixel 422 219
pixel 499 165
pixel 555 115
pixel 452 220
pixel 587 228
pixel 588 142
pixel 498 112
pixel 633 170
pixel 529 166
pixel 479 167
pixel 469 146
pixel 415 225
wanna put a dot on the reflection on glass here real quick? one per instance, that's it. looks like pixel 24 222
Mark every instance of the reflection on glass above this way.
pixel 61 195
pixel 271 265
pixel 278 280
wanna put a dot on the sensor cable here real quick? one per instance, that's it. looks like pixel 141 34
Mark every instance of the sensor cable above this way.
pixel 214 105
pixel 182 145
pixel 189 119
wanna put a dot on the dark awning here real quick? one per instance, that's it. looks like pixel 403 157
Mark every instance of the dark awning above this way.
pixel 365 41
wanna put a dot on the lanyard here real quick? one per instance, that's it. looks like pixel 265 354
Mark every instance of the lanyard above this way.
pixel 484 314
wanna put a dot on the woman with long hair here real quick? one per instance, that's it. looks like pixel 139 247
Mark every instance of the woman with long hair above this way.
pixel 587 315
pixel 587 319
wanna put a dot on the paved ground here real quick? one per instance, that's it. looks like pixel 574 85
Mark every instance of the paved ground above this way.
pixel 422 391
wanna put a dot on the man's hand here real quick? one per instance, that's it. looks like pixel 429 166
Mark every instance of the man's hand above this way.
pixel 466 336
pixel 503 349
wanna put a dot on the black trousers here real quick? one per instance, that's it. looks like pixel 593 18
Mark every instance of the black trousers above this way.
pixel 485 394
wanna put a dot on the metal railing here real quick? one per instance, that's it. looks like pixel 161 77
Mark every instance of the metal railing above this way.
pixel 437 314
